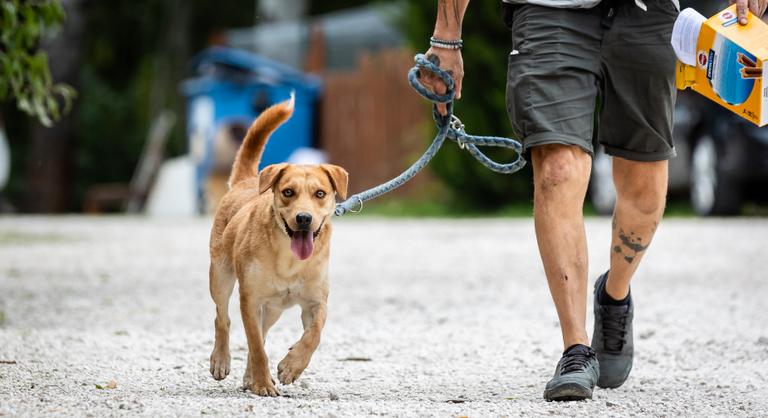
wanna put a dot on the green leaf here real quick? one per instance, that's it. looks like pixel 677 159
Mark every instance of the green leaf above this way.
pixel 52 107
pixel 24 70
pixel 9 8
pixel 24 105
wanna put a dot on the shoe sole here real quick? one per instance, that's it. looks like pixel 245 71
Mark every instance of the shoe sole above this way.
pixel 568 392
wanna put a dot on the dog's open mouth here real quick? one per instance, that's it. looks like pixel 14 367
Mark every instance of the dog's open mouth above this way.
pixel 302 241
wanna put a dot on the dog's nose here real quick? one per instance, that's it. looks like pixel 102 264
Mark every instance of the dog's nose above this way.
pixel 303 220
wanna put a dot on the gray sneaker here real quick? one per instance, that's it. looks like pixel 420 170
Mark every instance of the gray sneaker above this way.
pixel 612 339
pixel 575 375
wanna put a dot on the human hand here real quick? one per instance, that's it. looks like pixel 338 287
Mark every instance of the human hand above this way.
pixel 449 60
pixel 757 7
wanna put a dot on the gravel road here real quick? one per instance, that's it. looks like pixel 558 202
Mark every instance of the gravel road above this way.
pixel 111 316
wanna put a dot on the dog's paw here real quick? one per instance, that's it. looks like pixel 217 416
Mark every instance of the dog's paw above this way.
pixel 290 368
pixel 265 387
pixel 219 364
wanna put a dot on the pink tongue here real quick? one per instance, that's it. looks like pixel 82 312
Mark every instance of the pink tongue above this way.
pixel 302 244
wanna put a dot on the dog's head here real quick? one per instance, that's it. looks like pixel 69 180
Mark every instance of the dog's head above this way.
pixel 304 200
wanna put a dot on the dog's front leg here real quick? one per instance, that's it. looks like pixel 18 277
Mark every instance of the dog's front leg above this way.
pixel 313 317
pixel 257 377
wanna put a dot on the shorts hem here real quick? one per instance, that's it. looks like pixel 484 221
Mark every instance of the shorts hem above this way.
pixel 640 156
pixel 548 138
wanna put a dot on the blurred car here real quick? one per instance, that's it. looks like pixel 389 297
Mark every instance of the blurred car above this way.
pixel 722 160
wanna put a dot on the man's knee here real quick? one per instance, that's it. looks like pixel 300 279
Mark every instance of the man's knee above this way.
pixel 644 189
pixel 647 201
pixel 556 165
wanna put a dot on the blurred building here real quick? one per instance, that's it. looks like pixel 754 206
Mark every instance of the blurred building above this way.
pixel 345 35
pixel 281 9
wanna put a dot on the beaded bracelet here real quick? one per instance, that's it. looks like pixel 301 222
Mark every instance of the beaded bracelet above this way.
pixel 446 44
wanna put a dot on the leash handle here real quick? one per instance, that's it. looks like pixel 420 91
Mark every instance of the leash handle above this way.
pixel 414 76
pixel 422 63
pixel 449 127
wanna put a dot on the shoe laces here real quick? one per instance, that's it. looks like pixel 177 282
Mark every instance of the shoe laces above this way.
pixel 615 329
pixel 575 361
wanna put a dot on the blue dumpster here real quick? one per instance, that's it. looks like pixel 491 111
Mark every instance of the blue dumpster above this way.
pixel 231 87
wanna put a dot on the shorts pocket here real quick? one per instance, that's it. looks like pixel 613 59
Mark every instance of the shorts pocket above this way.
pixel 518 93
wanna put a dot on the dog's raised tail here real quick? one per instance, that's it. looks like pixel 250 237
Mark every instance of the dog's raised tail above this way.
pixel 249 155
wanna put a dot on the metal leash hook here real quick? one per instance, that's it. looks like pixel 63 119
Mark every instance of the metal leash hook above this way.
pixel 457 126
pixel 360 208
pixel 449 127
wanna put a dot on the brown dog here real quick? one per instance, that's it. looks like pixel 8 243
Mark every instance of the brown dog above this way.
pixel 272 234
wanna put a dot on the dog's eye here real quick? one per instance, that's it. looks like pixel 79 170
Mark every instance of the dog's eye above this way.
pixel 320 194
pixel 288 192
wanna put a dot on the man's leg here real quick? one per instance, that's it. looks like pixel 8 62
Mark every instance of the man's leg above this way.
pixel 552 87
pixel 641 190
pixel 638 99
pixel 560 176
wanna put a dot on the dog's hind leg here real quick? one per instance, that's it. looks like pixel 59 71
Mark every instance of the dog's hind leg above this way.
pixel 270 315
pixel 222 282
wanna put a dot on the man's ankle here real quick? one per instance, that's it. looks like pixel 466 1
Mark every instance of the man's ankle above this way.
pixel 569 343
pixel 608 298
pixel 577 347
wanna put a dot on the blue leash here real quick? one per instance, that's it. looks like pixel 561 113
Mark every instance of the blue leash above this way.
pixel 450 127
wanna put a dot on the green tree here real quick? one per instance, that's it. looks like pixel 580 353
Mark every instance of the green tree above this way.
pixel 482 108
pixel 130 57
pixel 24 73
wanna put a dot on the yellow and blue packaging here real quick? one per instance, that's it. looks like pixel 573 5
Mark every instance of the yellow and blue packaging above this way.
pixel 725 61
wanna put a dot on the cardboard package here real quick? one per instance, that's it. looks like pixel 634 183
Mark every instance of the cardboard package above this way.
pixel 724 61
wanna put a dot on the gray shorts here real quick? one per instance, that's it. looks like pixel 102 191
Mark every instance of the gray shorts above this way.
pixel 585 74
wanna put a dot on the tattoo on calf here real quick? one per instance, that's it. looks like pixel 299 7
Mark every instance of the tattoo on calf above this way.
pixel 633 245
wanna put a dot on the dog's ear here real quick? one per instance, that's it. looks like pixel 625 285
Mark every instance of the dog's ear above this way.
pixel 339 178
pixel 269 176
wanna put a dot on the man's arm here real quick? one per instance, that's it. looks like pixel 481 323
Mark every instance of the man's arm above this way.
pixel 450 14
pixel 757 7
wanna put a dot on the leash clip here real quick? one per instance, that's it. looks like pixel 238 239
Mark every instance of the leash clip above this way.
pixel 457 126
pixel 360 208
